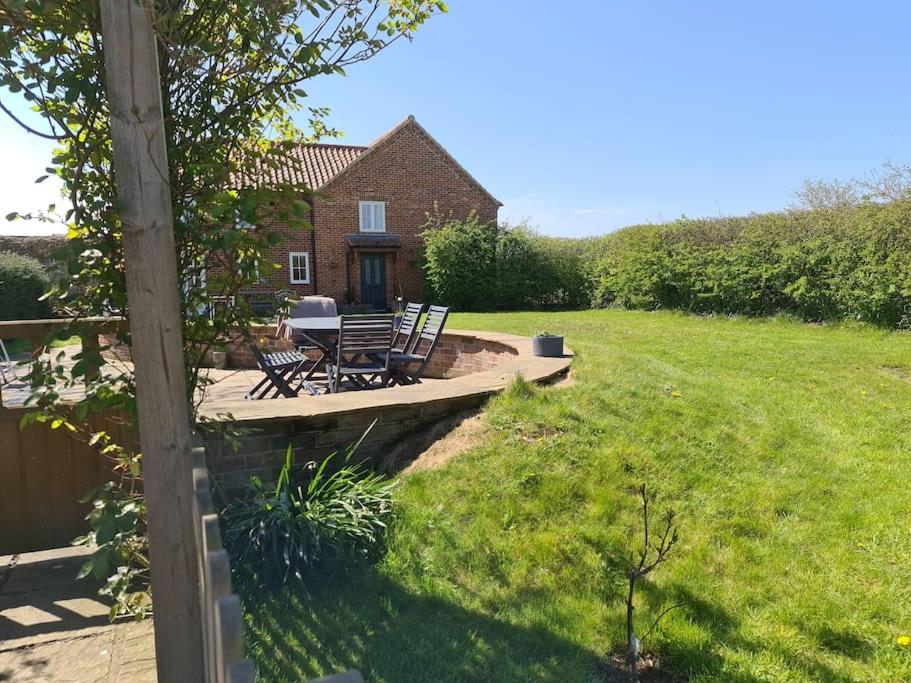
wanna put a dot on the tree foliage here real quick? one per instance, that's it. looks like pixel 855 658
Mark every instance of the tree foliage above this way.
pixel 232 78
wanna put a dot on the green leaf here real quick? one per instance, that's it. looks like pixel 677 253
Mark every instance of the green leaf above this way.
pixel 86 569
pixel 105 530
pixel 101 564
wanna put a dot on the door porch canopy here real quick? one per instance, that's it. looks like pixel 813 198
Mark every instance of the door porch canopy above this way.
pixel 380 243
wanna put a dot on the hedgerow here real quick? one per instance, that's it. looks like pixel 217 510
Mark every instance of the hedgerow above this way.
pixel 848 263
pixel 22 282
pixel 846 260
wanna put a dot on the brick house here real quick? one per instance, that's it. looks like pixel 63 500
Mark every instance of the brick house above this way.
pixel 368 213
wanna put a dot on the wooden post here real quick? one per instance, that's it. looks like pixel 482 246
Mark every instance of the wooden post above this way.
pixel 141 173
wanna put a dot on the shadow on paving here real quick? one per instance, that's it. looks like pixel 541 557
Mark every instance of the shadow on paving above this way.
pixel 56 628
pixel 42 597
pixel 30 668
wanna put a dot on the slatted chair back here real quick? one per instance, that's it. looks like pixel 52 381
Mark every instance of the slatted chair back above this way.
pixel 364 345
pixel 406 336
pixel 431 330
pixel 360 335
pixel 410 366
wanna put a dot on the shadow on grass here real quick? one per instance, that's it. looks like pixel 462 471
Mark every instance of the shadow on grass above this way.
pixel 726 632
pixel 367 622
pixel 371 624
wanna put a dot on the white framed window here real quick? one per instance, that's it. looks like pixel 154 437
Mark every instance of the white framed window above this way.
pixel 373 216
pixel 299 267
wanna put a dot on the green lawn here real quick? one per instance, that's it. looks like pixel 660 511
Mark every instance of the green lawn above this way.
pixel 783 447
pixel 20 347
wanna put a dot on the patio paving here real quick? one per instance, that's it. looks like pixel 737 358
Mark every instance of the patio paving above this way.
pixel 55 628
pixel 228 383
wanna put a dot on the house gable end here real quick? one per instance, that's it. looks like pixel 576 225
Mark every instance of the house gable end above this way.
pixel 409 127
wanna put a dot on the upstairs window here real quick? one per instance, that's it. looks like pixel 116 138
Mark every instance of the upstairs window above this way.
pixel 373 216
pixel 299 267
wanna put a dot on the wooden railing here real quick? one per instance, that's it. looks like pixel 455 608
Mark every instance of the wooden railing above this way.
pixel 222 618
pixel 40 333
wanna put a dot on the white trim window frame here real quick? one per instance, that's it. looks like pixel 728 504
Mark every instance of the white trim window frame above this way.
pixel 372 216
pixel 299 267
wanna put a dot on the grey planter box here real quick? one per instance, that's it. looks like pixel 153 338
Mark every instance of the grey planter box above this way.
pixel 550 347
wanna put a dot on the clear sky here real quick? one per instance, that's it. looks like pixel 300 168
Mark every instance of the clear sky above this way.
pixel 590 115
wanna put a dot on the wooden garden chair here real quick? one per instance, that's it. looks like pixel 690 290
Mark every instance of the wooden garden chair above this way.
pixel 7 368
pixel 407 333
pixel 364 343
pixel 283 372
pixel 408 367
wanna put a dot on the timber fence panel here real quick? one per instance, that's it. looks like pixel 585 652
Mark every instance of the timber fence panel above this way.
pixel 220 609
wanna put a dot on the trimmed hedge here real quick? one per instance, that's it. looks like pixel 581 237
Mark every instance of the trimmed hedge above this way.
pixel 852 263
pixel 22 282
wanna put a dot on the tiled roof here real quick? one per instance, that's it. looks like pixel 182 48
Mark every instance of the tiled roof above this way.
pixel 318 165
pixel 312 165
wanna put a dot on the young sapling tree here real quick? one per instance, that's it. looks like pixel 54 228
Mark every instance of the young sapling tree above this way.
pixel 650 556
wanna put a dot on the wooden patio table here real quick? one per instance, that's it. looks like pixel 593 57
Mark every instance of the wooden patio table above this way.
pixel 321 332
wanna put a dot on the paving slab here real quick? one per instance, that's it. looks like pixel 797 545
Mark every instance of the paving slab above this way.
pixel 42 569
pixel 55 628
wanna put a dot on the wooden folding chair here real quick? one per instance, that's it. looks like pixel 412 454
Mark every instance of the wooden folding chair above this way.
pixel 408 367
pixel 364 342
pixel 283 372
pixel 406 334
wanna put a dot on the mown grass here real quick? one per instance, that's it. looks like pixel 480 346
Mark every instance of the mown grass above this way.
pixel 783 447
pixel 19 347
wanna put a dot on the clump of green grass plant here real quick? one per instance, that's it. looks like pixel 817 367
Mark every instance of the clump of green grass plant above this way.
pixel 274 534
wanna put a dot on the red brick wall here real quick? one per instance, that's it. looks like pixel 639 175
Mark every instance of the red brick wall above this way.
pixel 457 355
pixel 454 356
pixel 240 355
pixel 410 173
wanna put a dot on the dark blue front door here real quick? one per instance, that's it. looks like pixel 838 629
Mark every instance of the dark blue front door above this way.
pixel 373 280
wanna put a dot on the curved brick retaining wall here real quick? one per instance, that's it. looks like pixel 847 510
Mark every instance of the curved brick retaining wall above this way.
pixel 462 353
pixel 479 364
pixel 457 353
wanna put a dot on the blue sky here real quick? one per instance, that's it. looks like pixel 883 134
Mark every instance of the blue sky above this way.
pixel 587 116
